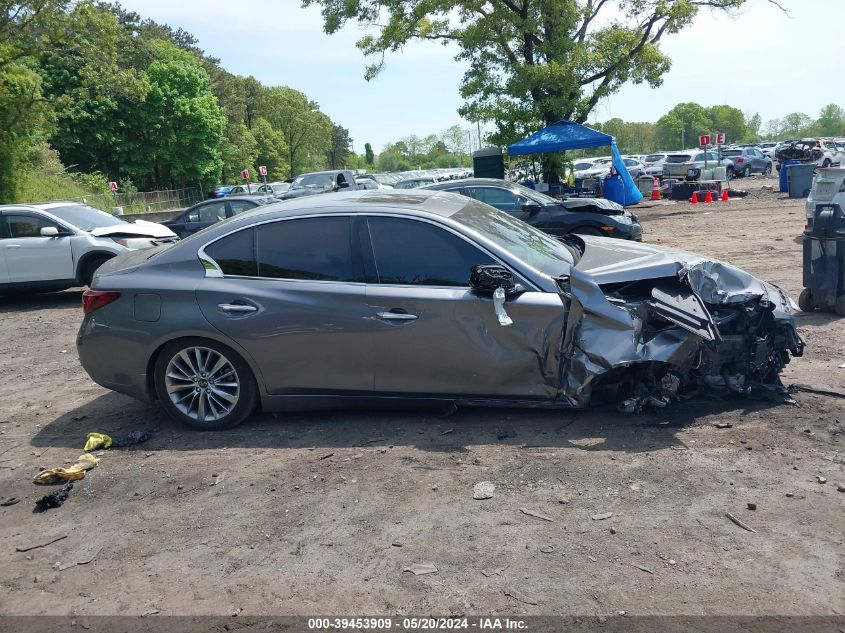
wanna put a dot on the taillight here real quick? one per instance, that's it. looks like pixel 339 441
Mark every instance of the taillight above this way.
pixel 96 299
pixel 740 159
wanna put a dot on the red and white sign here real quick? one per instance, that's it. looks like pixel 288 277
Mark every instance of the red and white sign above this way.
pixel 262 169
pixel 113 185
pixel 704 140
pixel 245 174
pixel 720 138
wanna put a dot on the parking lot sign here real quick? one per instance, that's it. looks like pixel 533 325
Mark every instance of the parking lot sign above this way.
pixel 720 138
pixel 113 185
pixel 245 174
pixel 704 140
pixel 262 169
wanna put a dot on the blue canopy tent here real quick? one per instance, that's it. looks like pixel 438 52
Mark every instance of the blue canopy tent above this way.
pixel 565 135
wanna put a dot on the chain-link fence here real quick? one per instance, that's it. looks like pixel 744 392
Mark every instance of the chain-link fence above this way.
pixel 145 201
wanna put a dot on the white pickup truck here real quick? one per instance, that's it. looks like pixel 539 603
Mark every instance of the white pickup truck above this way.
pixel 58 245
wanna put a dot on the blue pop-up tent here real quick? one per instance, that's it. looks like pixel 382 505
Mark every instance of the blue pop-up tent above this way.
pixel 565 135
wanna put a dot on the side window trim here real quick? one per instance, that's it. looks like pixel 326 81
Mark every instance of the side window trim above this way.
pixel 213 270
pixel 371 252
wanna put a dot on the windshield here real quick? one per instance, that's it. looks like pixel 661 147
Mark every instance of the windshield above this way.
pixel 85 217
pixel 313 181
pixel 531 194
pixel 537 249
pixel 582 166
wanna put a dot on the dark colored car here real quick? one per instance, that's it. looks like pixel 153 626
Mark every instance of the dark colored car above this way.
pixel 372 297
pixel 220 191
pixel 204 214
pixel 584 216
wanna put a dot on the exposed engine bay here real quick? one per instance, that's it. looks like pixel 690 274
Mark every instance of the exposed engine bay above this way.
pixel 647 342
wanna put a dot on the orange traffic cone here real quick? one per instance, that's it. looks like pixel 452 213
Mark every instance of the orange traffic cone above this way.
pixel 694 199
pixel 724 195
pixel 655 189
pixel 708 199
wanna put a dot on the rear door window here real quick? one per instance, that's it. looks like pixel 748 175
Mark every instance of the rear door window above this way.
pixel 502 199
pixel 317 249
pixel 235 254
pixel 208 213
pixel 412 252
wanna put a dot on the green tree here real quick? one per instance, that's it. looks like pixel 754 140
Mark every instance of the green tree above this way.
pixel 730 120
pixel 795 124
pixel 369 156
pixel 753 126
pixel 179 124
pixel 831 121
pixel 340 148
pixel 530 61
pixel 307 131
pixel 685 121
pixel 271 149
pixel 239 151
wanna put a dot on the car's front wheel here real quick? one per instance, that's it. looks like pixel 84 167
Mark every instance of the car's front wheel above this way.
pixel 204 384
pixel 768 170
pixel 731 174
pixel 90 266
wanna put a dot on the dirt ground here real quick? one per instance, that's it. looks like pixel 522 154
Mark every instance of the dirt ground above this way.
pixel 319 513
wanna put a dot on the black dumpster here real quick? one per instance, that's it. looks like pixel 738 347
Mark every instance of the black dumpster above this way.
pixel 824 261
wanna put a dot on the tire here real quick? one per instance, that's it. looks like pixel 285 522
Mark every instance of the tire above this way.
pixel 90 267
pixel 768 170
pixel 746 172
pixel 805 301
pixel 731 173
pixel 178 368
pixel 839 306
pixel 587 230
pixel 826 163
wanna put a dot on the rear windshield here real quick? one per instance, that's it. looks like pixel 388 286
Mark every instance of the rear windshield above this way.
pixel 731 152
pixel 583 165
pixel 653 158
pixel 679 158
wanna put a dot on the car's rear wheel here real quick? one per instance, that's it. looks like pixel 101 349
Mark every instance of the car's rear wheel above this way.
pixel 730 173
pixel 768 170
pixel 746 172
pixel 805 301
pixel 826 163
pixel 839 306
pixel 204 384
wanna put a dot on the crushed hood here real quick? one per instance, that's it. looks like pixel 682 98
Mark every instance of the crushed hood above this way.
pixel 139 228
pixel 610 261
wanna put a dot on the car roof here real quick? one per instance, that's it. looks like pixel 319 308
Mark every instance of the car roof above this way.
pixel 408 200
pixel 469 181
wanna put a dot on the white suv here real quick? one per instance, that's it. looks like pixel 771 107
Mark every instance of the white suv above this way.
pixel 58 245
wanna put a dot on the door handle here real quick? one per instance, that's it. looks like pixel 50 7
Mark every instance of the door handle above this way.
pixel 236 308
pixel 397 316
pixel 13 246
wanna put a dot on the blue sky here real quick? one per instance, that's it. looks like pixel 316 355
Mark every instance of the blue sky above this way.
pixel 761 61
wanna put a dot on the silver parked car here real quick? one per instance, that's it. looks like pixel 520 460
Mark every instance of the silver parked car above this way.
pixel 377 296
pixel 681 165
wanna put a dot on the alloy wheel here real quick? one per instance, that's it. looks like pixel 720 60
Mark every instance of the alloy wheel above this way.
pixel 202 383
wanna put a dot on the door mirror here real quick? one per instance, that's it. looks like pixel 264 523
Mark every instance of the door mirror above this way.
pixel 343 185
pixel 49 231
pixel 531 207
pixel 486 278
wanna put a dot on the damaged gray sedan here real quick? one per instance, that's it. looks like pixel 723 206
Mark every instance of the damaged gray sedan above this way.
pixel 373 297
